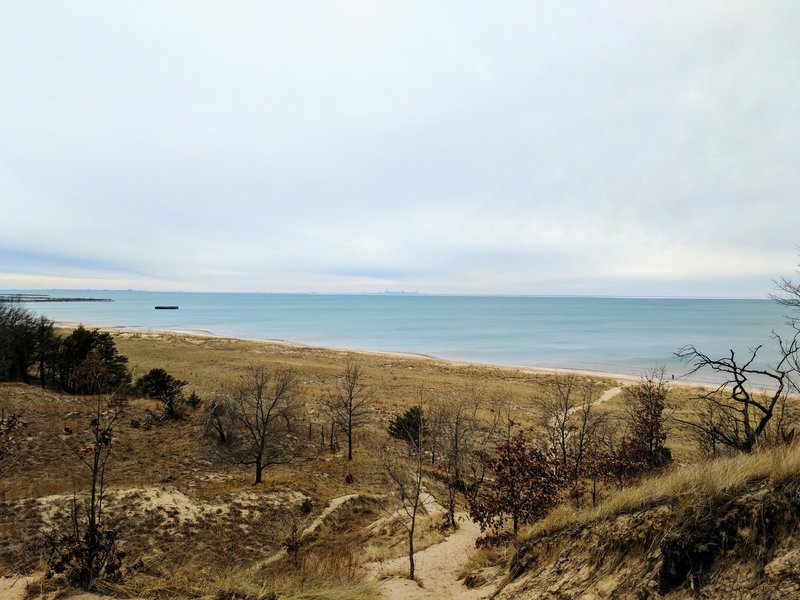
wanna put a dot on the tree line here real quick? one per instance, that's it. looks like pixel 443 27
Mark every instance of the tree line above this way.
pixel 82 362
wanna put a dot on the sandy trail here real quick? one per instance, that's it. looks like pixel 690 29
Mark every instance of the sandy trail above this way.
pixel 332 506
pixel 608 395
pixel 437 568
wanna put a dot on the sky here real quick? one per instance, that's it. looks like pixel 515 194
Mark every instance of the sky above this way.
pixel 598 148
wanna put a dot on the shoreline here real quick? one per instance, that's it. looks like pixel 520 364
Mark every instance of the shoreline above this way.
pixel 621 378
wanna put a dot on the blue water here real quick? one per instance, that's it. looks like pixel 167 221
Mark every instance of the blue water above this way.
pixel 618 335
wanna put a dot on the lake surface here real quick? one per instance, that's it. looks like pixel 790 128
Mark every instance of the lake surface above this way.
pixel 616 335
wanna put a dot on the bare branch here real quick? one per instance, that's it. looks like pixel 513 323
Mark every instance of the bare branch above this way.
pixel 734 414
pixel 262 415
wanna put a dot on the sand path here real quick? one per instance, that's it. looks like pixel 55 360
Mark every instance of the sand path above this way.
pixel 608 395
pixel 332 506
pixel 437 569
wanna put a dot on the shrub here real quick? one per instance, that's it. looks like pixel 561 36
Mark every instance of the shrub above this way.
pixel 407 426
pixel 524 487
pixel 160 385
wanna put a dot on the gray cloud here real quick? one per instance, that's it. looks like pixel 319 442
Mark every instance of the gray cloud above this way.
pixel 549 147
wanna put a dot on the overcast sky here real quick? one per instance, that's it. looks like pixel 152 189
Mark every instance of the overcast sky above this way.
pixel 624 148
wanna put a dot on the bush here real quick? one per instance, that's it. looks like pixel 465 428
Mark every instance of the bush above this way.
pixel 160 385
pixel 523 488
pixel 408 426
pixel 307 506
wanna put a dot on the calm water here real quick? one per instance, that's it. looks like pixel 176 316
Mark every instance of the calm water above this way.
pixel 619 335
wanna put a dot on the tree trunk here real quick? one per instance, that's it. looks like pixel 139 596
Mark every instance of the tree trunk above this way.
pixel 451 506
pixel 41 371
pixel 350 437
pixel 411 553
pixel 23 370
pixel 259 468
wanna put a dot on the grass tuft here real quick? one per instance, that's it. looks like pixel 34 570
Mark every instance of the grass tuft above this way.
pixel 693 485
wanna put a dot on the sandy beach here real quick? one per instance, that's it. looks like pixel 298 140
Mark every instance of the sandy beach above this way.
pixel 621 378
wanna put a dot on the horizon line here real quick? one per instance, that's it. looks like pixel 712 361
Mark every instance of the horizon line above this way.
pixel 398 293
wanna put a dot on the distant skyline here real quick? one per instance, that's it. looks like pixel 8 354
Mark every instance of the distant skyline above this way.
pixel 525 148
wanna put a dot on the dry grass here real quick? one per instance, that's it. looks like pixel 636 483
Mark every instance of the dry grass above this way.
pixel 200 526
pixel 487 557
pixel 691 486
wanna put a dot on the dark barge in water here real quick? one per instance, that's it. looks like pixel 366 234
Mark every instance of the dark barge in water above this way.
pixel 166 308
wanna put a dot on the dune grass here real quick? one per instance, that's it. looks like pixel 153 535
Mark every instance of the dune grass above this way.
pixel 691 486
pixel 207 526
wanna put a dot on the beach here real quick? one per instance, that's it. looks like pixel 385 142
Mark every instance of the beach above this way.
pixel 624 336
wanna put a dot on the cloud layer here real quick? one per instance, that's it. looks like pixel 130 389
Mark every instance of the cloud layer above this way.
pixel 533 148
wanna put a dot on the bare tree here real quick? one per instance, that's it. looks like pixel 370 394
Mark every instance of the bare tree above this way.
pixel 614 456
pixel 406 478
pixel 349 406
pixel 12 448
pixel 462 433
pixel 735 413
pixel 646 403
pixel 262 414
pixel 788 292
pixel 215 421
pixel 571 422
pixel 89 551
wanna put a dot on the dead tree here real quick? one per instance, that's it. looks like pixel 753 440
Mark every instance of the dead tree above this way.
pixel 406 478
pixel 736 415
pixel 12 447
pixel 646 403
pixel 462 434
pixel 349 406
pixel 571 422
pixel 262 420
pixel 788 292
pixel 89 551
pixel 215 421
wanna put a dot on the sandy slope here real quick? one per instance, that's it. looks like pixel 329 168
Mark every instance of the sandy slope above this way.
pixel 437 569
pixel 13 588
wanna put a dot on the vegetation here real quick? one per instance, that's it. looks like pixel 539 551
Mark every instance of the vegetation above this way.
pixel 161 386
pixel 408 427
pixel 407 479
pixel 89 363
pixel 572 426
pixel 262 416
pixel 350 405
pixel 12 428
pixel 523 488
pixel 25 341
pixel 647 402
pixel 736 414
pixel 308 529
pixel 83 362
pixel 461 438
pixel 88 551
